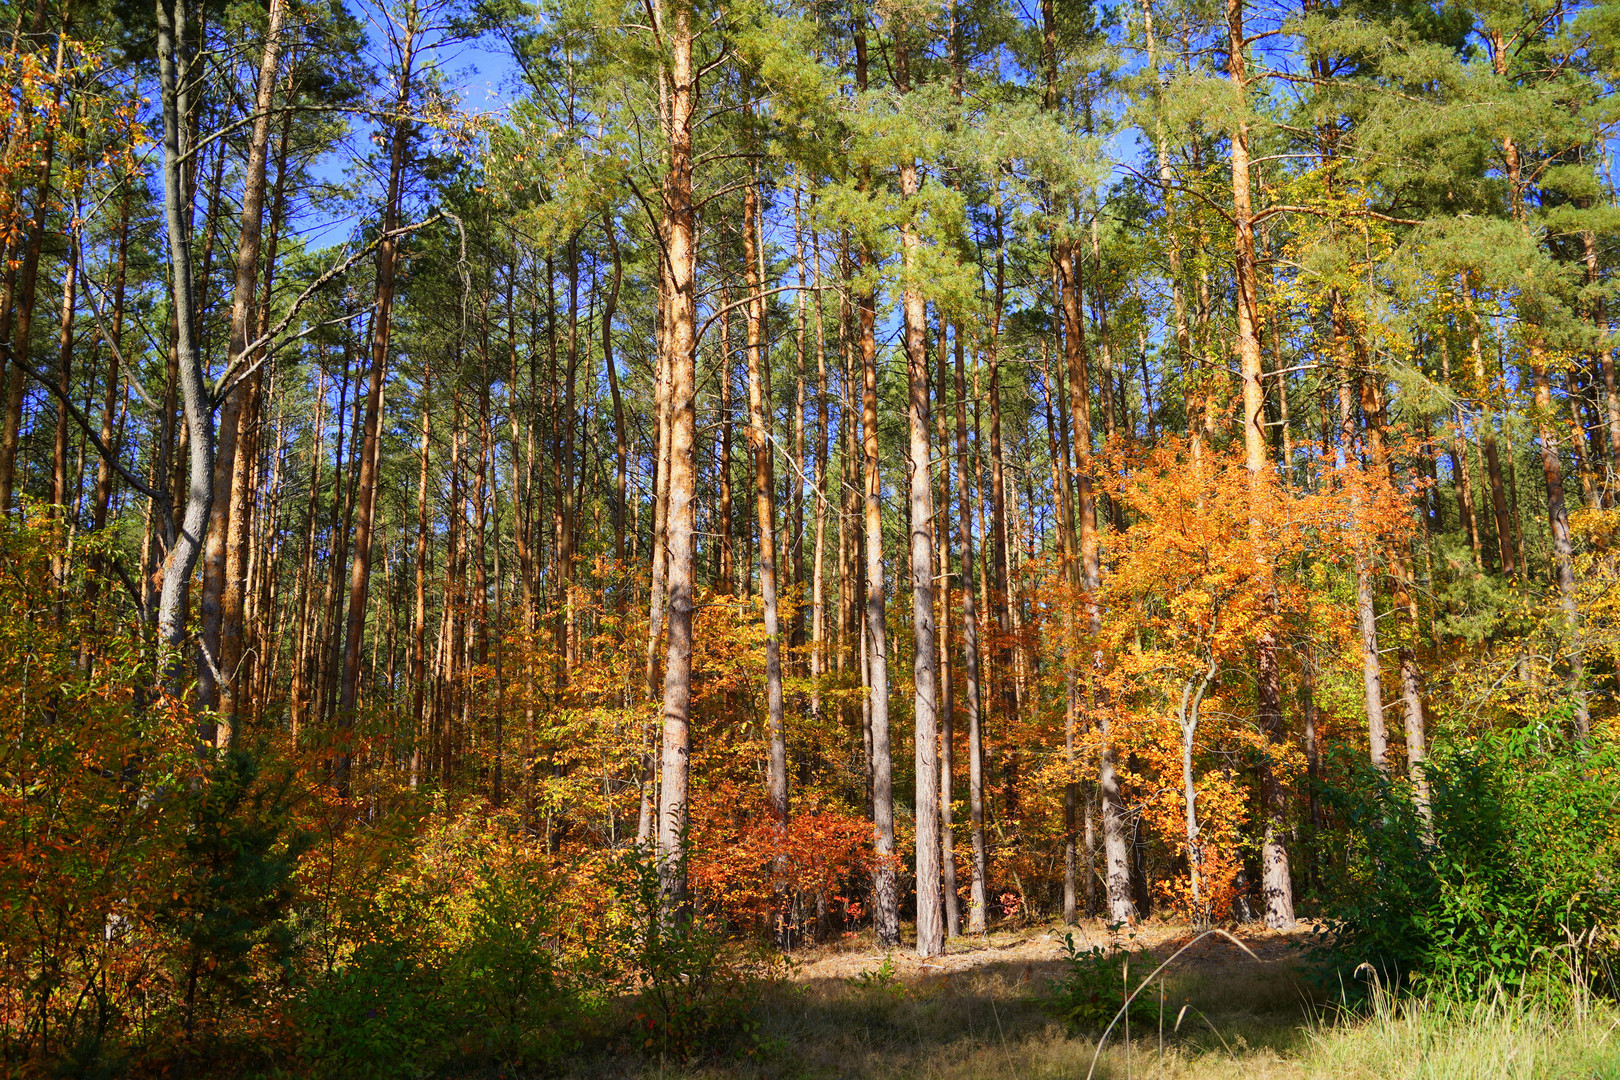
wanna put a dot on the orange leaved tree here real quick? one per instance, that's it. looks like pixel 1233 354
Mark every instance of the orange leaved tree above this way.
pixel 1211 556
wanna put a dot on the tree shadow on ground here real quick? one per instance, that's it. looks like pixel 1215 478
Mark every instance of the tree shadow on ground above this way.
pixel 1221 1014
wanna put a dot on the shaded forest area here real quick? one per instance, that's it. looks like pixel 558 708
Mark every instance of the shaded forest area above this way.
pixel 483 585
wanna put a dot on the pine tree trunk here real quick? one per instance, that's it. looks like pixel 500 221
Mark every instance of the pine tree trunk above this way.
pixel 760 453
pixel 1373 409
pixel 366 484
pixel 567 506
pixel 621 444
pixel 885 889
pixel 886 901
pixel 681 339
pixel 819 452
pixel 940 537
pixel 725 572
pixel 60 514
pixel 1552 469
pixel 925 675
pixel 795 482
pixel 658 594
pixel 1116 872
pixel 1276 881
pixel 419 560
pixel 214 668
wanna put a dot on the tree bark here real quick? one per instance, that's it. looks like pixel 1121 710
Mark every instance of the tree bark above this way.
pixel 366 489
pixel 925 674
pixel 1275 878
pixel 621 444
pixel 940 536
pixel 885 890
pixel 760 452
pixel 173 77
pixel 680 306
pixel 1116 873
pixel 19 306
pixel 214 668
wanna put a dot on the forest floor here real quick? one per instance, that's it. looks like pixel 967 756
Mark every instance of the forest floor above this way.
pixel 985 1009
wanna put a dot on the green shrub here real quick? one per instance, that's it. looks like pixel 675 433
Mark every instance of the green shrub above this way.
pixel 884 980
pixel 452 967
pixel 381 1013
pixel 695 995
pixel 230 888
pixel 1514 879
pixel 378 1006
pixel 1096 983
pixel 516 1006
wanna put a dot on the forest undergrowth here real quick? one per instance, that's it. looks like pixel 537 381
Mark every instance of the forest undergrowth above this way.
pixel 994 1008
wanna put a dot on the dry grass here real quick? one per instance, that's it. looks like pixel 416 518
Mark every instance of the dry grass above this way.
pixel 982 1011
pixel 1499 1038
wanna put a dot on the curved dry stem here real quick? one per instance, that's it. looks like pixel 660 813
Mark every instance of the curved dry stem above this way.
pixel 1103 1038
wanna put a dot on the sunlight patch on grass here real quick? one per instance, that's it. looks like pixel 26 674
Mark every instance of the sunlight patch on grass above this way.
pixel 1500 1037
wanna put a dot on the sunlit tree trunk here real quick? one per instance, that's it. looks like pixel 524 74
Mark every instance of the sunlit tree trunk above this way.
pixel 1275 878
pixel 215 668
pixel 366 482
pixel 760 453
pixel 885 888
pixel 173 76
pixel 940 537
pixel 819 451
pixel 681 339
pixel 1116 861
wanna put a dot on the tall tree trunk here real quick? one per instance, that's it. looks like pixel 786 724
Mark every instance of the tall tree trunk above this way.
pixel 795 482
pixel 1373 410
pixel 621 443
pixel 419 560
pixel 819 450
pixel 998 580
pixel 1275 878
pixel 681 338
pixel 1116 857
pixel 925 674
pixel 567 504
pixel 1058 437
pixel 1552 469
pixel 241 645
pixel 726 570
pixel 886 901
pixel 60 514
pixel 658 593
pixel 1487 435
pixel 1372 679
pixel 19 306
pixel 1461 468
pixel 101 500
pixel 759 445
pixel 298 693
pixel 173 77
pixel 940 536
pixel 340 528
pixel 885 888
pixel 366 485
pixel 213 668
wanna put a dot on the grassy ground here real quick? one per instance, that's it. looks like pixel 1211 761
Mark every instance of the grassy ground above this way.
pixel 983 1011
